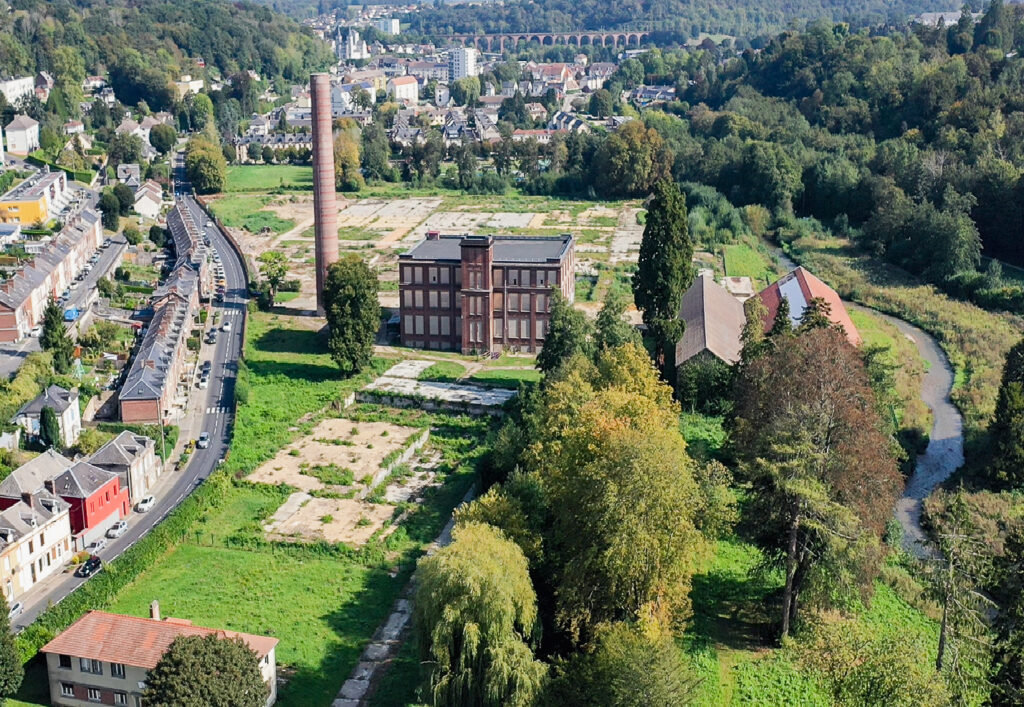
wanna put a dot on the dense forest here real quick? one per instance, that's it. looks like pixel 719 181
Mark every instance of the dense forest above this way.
pixel 146 45
pixel 747 19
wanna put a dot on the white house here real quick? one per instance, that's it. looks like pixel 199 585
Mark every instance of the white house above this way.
pixel 148 199
pixel 22 135
pixel 14 89
pixel 65 406
pixel 404 88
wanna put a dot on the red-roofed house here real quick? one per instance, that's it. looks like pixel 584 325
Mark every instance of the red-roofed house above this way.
pixel 105 658
pixel 800 287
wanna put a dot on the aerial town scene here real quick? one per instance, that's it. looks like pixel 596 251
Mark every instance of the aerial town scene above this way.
pixel 511 352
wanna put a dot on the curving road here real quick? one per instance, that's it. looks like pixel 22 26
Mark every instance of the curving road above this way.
pixel 945 451
pixel 214 414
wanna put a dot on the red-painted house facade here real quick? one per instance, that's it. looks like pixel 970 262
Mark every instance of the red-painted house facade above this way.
pixel 95 496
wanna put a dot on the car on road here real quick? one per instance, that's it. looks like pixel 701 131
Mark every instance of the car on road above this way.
pixel 211 337
pixel 89 567
pixel 204 440
pixel 146 504
pixel 207 365
pixel 16 609
pixel 227 326
pixel 204 382
pixel 36 331
pixel 96 546
pixel 117 529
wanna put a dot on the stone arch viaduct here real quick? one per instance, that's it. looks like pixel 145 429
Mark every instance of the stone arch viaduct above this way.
pixel 497 42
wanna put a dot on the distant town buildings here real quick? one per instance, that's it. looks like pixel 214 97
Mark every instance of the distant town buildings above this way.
pixel 35 200
pixel 482 294
pixel 351 46
pixel 387 25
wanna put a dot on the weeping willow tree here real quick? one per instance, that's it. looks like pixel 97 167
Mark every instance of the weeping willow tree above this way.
pixel 476 615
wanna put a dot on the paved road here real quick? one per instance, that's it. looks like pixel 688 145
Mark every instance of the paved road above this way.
pixel 216 407
pixel 945 451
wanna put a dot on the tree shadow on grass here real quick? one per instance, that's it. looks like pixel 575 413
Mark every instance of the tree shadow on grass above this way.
pixel 292 341
pixel 735 606
pixel 354 624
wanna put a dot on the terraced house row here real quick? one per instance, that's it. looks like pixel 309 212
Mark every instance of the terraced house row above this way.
pixel 23 297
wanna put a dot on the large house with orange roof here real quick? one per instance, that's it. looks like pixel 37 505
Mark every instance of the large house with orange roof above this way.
pixel 799 287
pixel 105 658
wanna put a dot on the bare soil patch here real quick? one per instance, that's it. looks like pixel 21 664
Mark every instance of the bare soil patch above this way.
pixel 359 447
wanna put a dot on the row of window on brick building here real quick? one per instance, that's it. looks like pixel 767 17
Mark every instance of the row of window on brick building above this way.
pixel 419 325
pixel 516 302
pixel 414 275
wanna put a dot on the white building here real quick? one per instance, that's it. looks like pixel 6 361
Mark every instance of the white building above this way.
pixel 387 25
pixel 353 47
pixel 3 157
pixel 22 135
pixel 461 63
pixel 404 88
pixel 14 89
pixel 64 404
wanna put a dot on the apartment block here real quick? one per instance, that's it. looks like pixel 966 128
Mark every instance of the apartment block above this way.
pixel 35 541
pixel 482 294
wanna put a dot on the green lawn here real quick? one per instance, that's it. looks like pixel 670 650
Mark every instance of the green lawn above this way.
pixel 443 371
pixel 264 178
pixel 506 378
pixel 245 211
pixel 742 260
pixel 323 610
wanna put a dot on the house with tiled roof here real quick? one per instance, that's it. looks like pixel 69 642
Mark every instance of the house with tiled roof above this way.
pixel 22 135
pixel 149 199
pixel 94 496
pixel 799 287
pixel 129 174
pixel 106 658
pixel 133 458
pixel 65 406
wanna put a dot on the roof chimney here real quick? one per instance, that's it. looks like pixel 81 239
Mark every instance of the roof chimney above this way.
pixel 154 610
pixel 48 484
pixel 433 235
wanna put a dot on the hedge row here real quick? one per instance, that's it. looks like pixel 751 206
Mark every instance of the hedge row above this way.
pixel 100 590
pixel 84 176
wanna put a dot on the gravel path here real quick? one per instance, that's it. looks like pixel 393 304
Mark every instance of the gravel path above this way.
pixel 945 451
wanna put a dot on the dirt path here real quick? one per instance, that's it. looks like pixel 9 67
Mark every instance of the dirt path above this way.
pixel 945 451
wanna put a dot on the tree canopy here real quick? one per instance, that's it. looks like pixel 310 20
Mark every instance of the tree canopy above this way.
pixel 207 670
pixel 353 312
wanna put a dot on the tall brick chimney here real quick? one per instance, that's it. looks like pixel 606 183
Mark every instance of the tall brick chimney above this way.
pixel 325 210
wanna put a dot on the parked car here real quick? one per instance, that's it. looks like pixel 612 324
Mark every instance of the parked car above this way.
pixel 204 440
pixel 204 382
pixel 97 546
pixel 36 331
pixel 89 567
pixel 146 504
pixel 16 609
pixel 117 529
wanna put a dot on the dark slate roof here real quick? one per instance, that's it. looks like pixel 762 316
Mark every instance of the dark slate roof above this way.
pixel 31 476
pixel 121 450
pixel 81 481
pixel 54 397
pixel 22 518
pixel 507 249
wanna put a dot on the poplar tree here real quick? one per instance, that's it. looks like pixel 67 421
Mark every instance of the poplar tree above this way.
pixel 11 670
pixel 665 269
pixel 353 312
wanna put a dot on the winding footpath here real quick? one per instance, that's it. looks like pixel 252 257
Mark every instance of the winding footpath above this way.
pixel 945 451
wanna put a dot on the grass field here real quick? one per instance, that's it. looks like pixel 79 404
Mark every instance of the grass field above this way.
pixel 742 260
pixel 443 371
pixel 506 378
pixel 243 211
pixel 265 178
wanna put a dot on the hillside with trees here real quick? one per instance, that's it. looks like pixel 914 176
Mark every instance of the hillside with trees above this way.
pixel 145 46
pixel 670 18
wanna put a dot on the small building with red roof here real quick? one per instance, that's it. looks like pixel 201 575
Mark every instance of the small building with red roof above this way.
pixel 105 658
pixel 799 287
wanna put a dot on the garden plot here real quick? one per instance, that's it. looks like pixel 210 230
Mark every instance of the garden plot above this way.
pixel 335 520
pixel 336 454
